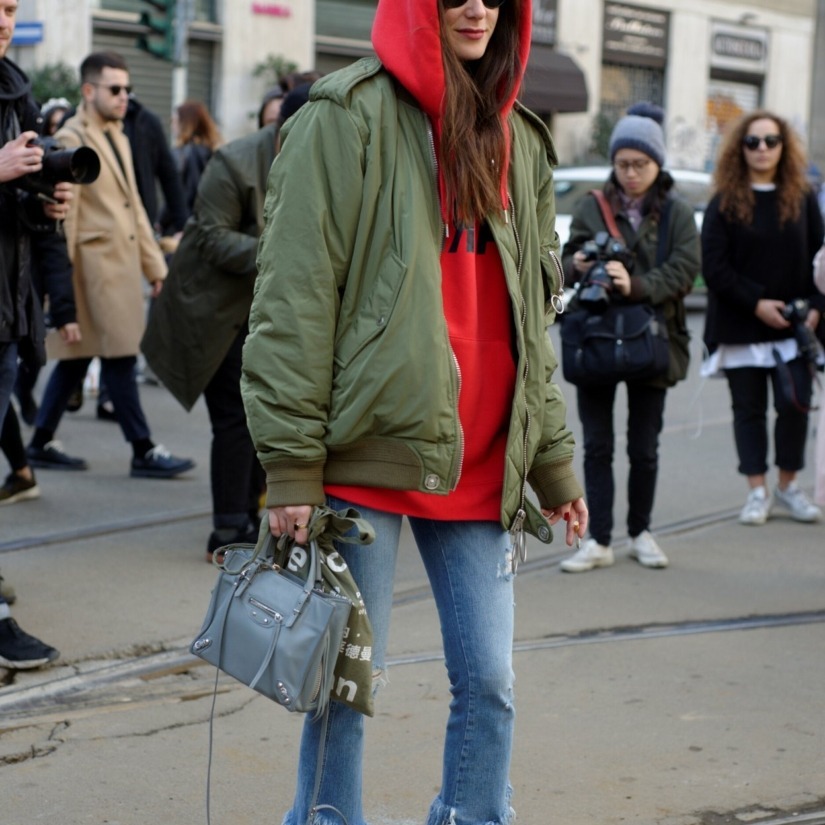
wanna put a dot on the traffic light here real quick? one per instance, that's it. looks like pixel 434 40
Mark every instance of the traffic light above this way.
pixel 160 39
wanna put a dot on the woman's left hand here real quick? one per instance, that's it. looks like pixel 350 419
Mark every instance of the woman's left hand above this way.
pixel 575 514
pixel 621 277
pixel 812 321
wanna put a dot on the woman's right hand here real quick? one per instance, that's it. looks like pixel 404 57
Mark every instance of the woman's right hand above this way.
pixel 292 520
pixel 769 311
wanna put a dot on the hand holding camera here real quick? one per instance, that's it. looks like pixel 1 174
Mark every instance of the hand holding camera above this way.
pixel 609 265
pixel 59 165
pixel 20 157
pixel 796 313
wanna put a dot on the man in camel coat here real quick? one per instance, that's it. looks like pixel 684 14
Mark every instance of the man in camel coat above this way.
pixel 113 249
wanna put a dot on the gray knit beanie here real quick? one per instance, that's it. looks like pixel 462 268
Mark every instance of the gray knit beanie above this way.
pixel 641 129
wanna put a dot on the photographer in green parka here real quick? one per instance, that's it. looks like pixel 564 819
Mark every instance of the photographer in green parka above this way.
pixel 198 324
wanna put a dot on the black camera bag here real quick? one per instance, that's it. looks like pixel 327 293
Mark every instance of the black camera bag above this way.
pixel 627 342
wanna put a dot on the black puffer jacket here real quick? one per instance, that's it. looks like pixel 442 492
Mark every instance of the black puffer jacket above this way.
pixel 18 113
pixel 22 225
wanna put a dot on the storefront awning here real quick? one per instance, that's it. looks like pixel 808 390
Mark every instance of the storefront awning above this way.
pixel 553 82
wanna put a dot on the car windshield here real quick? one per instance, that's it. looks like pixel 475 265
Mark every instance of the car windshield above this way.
pixel 568 193
pixel 570 189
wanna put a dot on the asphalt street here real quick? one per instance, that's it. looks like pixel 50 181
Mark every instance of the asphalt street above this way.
pixel 686 696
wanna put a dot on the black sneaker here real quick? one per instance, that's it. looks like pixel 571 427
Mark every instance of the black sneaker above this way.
pixel 19 651
pixel 53 457
pixel 160 463
pixel 16 488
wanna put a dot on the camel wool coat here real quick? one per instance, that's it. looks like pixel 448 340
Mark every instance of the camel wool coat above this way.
pixel 111 245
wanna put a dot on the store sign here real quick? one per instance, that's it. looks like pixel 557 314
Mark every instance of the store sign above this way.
pixel 544 21
pixel 634 35
pixel 272 9
pixel 27 34
pixel 739 48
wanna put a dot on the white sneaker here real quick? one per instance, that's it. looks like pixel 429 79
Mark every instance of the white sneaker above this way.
pixel 757 507
pixel 646 551
pixel 798 505
pixel 591 554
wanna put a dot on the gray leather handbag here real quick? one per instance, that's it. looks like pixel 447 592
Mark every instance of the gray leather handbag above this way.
pixel 274 631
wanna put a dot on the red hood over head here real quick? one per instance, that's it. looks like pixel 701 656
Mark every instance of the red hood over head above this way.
pixel 405 36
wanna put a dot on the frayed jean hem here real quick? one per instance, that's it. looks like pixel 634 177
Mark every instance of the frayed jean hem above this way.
pixel 441 814
pixel 324 817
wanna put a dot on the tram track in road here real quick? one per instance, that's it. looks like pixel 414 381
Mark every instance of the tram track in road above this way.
pixel 92 531
pixel 813 814
pixel 150 521
pixel 145 678
pixel 90 683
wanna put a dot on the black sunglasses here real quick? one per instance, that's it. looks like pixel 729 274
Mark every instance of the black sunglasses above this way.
pixel 455 4
pixel 116 89
pixel 752 141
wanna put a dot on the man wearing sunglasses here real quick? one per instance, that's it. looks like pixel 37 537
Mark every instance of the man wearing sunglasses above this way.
pixel 113 249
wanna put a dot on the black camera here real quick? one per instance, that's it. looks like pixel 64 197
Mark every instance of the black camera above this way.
pixel 596 290
pixel 78 165
pixel 796 312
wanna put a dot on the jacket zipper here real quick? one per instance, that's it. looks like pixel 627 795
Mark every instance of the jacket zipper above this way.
pixel 445 232
pixel 445 229
pixel 517 528
pixel 557 299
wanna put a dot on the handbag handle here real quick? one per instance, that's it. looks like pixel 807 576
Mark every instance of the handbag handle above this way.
pixel 325 526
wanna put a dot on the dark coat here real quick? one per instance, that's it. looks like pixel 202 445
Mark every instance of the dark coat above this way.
pixel 743 264
pixel 154 163
pixel 26 233
pixel 207 296
pixel 192 159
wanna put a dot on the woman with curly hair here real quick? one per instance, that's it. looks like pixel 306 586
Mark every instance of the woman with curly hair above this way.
pixel 761 231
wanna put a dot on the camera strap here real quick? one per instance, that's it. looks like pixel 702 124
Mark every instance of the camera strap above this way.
pixel 613 229
pixel 607 214
pixel 788 385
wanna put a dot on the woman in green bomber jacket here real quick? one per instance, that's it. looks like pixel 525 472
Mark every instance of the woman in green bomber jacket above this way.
pixel 398 361
pixel 660 232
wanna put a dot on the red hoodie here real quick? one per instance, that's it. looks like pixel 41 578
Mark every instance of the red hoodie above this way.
pixel 477 306
pixel 405 36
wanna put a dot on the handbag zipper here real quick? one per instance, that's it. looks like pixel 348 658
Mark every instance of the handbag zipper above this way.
pixel 268 610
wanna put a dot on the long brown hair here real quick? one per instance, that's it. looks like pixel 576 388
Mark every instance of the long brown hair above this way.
pixel 473 145
pixel 196 126
pixel 732 181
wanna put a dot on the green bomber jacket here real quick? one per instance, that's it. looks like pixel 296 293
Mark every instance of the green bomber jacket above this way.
pixel 348 374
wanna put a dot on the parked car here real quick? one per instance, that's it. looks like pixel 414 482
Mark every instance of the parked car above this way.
pixel 572 182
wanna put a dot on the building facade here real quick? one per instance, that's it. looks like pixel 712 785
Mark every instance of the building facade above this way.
pixel 704 61
pixel 226 40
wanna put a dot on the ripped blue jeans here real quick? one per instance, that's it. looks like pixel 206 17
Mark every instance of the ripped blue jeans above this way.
pixel 468 565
